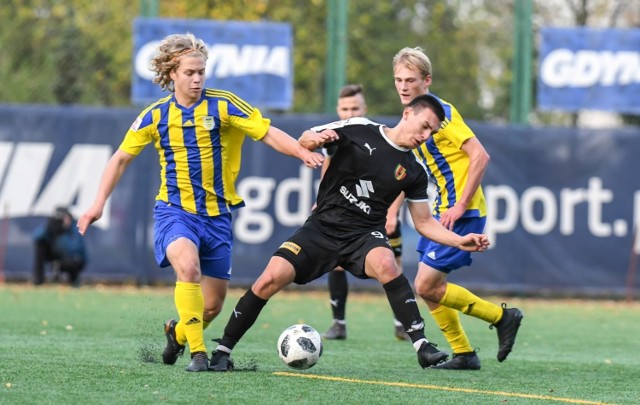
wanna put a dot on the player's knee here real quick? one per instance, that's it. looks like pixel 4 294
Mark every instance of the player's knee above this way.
pixel 212 311
pixel 390 264
pixel 426 289
pixel 267 285
pixel 188 273
pixel 386 268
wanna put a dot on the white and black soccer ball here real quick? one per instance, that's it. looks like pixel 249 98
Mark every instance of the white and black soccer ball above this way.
pixel 300 346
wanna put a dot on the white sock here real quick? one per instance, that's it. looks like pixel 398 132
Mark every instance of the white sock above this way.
pixel 223 349
pixel 418 343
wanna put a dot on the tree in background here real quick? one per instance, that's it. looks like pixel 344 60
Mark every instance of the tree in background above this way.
pixel 53 56
pixel 66 52
pixel 67 56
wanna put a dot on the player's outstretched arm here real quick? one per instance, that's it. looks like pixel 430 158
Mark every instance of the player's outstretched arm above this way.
pixel 110 178
pixel 313 140
pixel 430 228
pixel 474 242
pixel 284 143
pixel 478 162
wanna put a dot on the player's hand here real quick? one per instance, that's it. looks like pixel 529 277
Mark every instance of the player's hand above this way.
pixel 449 218
pixel 90 216
pixel 474 242
pixel 327 135
pixel 391 224
pixel 312 140
pixel 312 159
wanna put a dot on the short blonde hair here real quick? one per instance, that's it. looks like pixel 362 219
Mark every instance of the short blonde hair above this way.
pixel 168 56
pixel 414 59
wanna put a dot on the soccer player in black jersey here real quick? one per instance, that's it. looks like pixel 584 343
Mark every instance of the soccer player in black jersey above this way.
pixel 370 166
pixel 351 104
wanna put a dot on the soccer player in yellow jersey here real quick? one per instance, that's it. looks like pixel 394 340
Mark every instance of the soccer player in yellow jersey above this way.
pixel 456 161
pixel 198 133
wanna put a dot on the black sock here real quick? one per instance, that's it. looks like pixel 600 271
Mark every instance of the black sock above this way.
pixel 404 306
pixel 242 318
pixel 338 291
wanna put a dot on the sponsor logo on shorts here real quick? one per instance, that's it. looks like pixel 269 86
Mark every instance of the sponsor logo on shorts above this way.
pixel 291 247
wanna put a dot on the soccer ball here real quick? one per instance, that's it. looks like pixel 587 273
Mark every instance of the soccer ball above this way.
pixel 300 346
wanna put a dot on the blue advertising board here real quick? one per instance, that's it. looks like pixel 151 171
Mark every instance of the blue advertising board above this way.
pixel 250 59
pixel 563 204
pixel 583 68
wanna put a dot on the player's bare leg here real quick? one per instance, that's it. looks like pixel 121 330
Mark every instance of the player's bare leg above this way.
pixel 278 274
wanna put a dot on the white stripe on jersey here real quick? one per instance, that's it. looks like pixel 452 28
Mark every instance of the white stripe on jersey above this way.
pixel 344 123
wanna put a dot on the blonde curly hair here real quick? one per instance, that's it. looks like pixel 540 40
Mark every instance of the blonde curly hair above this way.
pixel 167 58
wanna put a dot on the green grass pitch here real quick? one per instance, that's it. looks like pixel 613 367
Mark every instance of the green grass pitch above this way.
pixel 101 345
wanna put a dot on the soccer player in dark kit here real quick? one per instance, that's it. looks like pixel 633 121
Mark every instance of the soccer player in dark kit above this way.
pixel 370 166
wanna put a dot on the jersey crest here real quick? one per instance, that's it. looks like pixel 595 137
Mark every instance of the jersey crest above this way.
pixel 208 122
pixel 400 172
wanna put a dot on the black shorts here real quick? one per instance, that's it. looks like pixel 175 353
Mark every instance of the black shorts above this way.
pixel 313 252
pixel 395 240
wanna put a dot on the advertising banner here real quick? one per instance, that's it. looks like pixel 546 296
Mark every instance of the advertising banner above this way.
pixel 562 203
pixel 251 59
pixel 583 68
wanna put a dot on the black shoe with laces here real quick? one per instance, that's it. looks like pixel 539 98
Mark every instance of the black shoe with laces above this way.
pixel 461 361
pixel 337 331
pixel 173 350
pixel 199 362
pixel 221 361
pixel 429 355
pixel 507 328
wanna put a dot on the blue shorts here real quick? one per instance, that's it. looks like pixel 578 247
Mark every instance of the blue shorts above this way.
pixel 212 235
pixel 446 258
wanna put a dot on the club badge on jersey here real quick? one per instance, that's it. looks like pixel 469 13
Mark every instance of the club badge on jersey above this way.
pixel 208 122
pixel 400 172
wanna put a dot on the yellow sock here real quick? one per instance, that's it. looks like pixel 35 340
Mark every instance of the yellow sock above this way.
pixel 181 337
pixel 463 300
pixel 190 305
pixel 449 322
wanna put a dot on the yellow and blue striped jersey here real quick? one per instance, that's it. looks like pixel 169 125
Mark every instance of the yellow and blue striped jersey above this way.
pixel 199 148
pixel 448 164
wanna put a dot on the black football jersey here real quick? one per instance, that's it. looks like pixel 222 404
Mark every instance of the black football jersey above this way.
pixel 366 174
